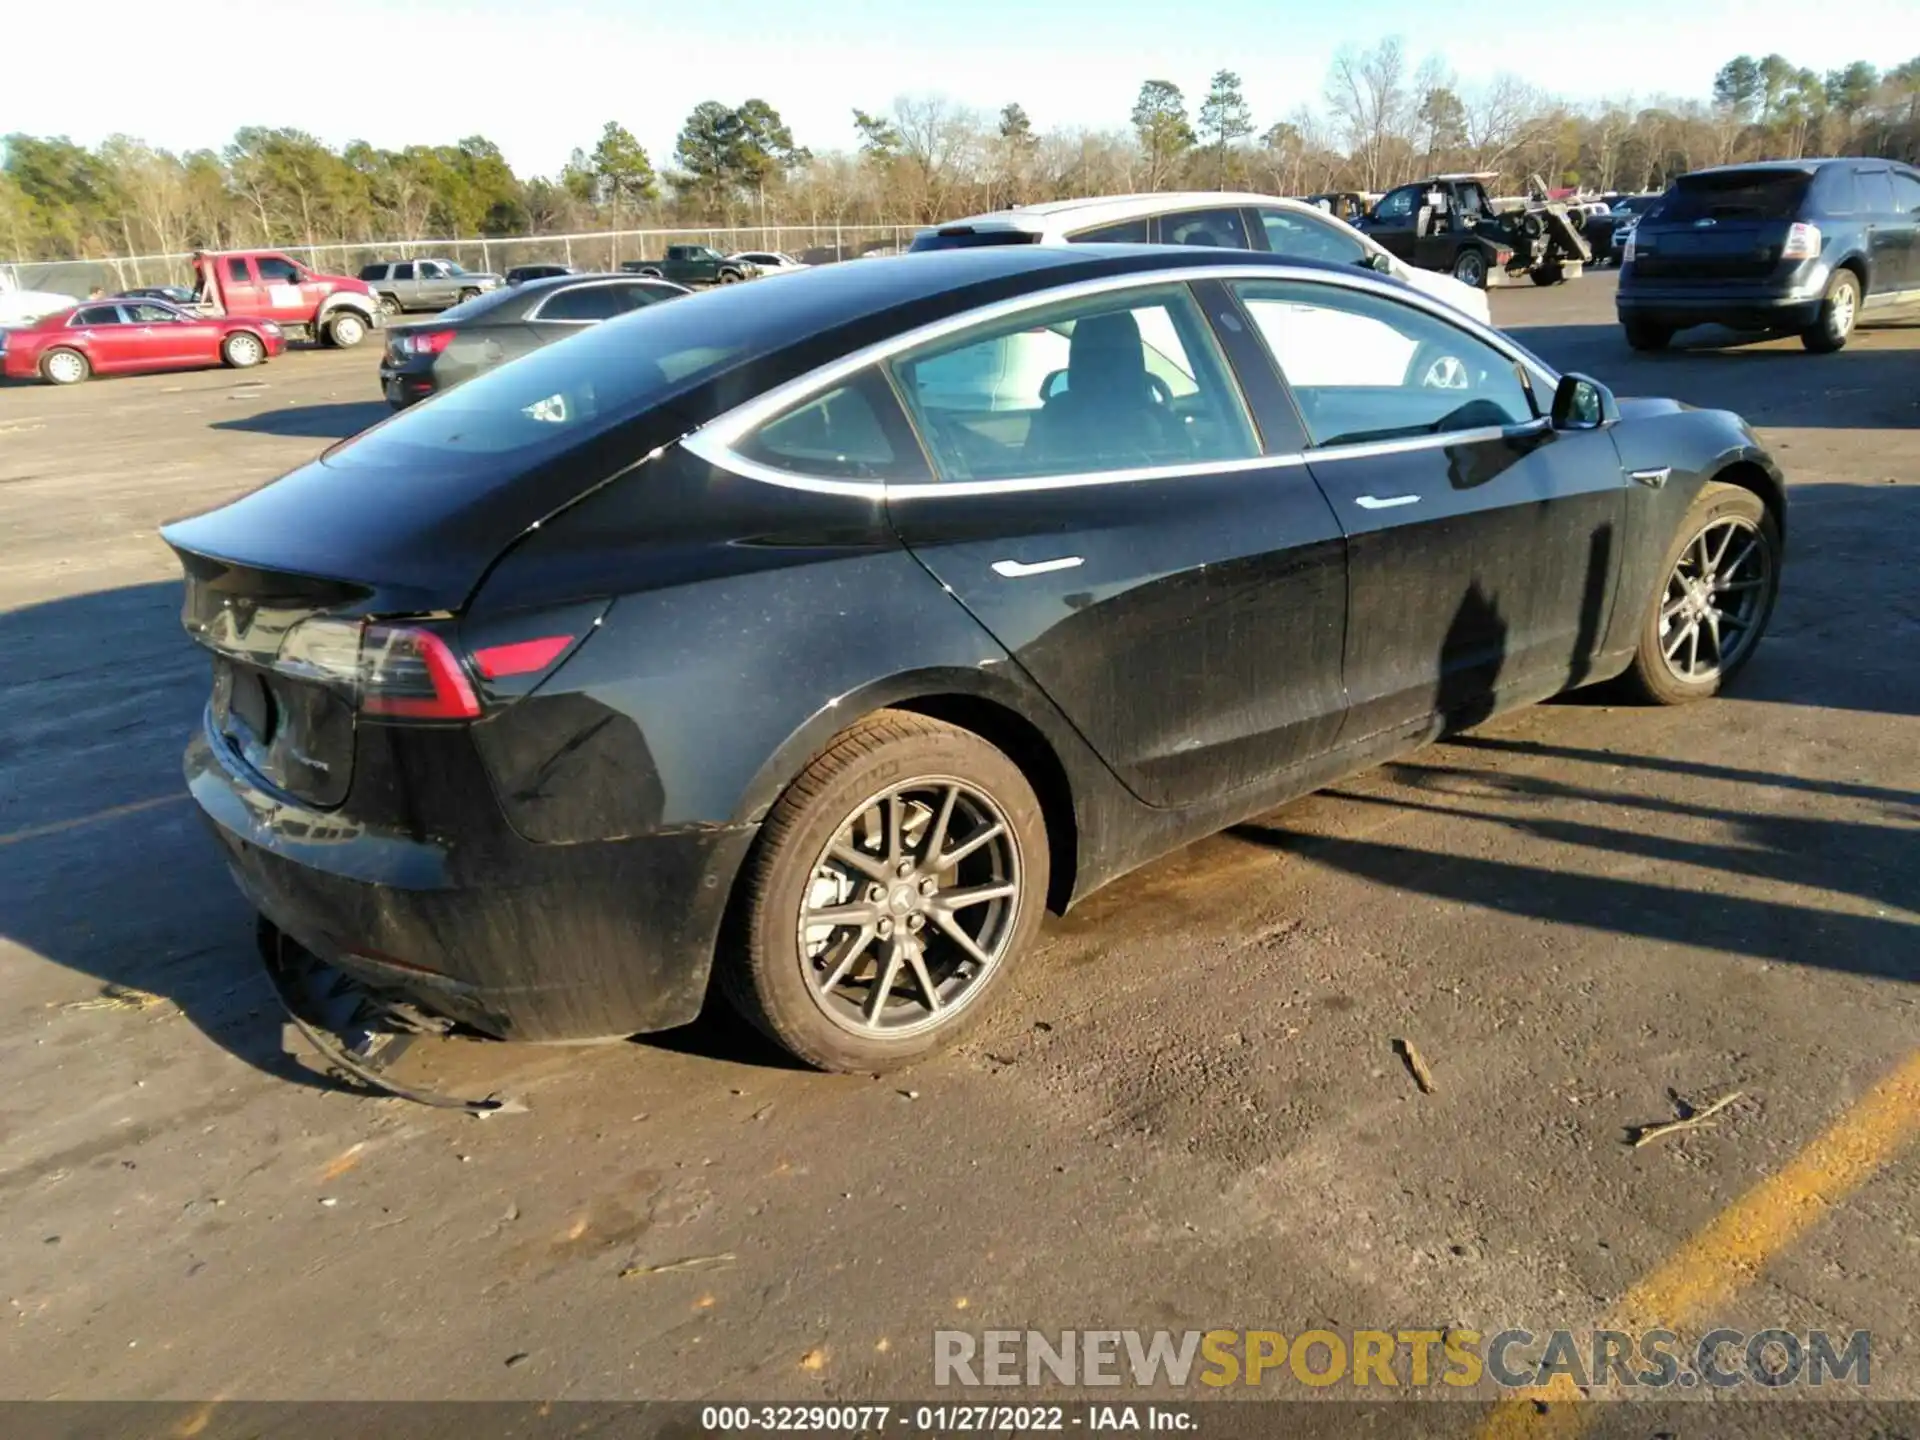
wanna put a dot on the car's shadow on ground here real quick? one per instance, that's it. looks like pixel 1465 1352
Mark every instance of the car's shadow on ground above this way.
pixel 1784 385
pixel 327 422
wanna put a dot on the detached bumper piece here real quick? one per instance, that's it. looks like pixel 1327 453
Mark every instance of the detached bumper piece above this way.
pixel 355 1028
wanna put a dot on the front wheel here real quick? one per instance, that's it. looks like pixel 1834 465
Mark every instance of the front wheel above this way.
pixel 1838 311
pixel 242 351
pixel 893 885
pixel 1722 577
pixel 1470 268
pixel 346 330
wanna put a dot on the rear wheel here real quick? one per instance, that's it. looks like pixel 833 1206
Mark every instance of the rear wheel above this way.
pixel 389 305
pixel 243 351
pixel 346 330
pixel 469 294
pixel 1722 576
pixel 893 885
pixel 731 277
pixel 65 367
pixel 1470 268
pixel 1838 312
pixel 1645 335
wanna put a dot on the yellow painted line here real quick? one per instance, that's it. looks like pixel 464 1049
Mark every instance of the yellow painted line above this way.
pixel 1729 1254
pixel 58 827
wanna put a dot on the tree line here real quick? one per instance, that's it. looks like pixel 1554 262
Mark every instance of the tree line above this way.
pixel 1381 119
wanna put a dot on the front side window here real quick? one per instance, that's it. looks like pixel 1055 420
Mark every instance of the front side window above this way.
pixel 1301 238
pixel 1108 382
pixel 276 271
pixel 1225 228
pixel 151 314
pixel 1875 191
pixel 1906 194
pixel 1398 204
pixel 1366 367
pixel 1122 232
pixel 636 297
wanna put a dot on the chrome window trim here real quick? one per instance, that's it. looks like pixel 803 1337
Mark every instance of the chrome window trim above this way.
pixel 714 442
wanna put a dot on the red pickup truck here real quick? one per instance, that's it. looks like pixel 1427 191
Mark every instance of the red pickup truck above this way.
pixel 266 285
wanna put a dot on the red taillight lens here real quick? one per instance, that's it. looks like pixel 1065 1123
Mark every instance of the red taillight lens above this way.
pixel 429 342
pixel 523 657
pixel 413 675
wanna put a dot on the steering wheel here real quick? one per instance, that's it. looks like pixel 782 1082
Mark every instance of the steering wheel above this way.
pixel 1162 392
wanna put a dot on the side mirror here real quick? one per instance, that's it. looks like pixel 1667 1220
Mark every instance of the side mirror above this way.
pixel 1381 261
pixel 1582 403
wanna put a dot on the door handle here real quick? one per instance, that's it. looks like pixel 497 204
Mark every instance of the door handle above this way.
pixel 1388 502
pixel 1019 569
pixel 1652 479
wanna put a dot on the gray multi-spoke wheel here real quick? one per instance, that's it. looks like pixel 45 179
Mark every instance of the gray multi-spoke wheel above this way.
pixel 1470 268
pixel 1721 578
pixel 893 885
pixel 1838 311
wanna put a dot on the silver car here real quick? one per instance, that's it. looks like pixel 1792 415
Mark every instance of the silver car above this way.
pixel 428 284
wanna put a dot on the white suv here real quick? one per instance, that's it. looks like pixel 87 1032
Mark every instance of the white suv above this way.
pixel 1229 220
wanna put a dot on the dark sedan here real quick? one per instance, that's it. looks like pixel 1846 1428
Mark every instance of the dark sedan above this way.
pixel 813 638
pixel 491 329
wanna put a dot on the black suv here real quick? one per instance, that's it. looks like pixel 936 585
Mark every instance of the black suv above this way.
pixel 1789 247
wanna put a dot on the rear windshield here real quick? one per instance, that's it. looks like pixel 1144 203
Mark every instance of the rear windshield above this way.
pixel 969 239
pixel 1737 195
pixel 479 305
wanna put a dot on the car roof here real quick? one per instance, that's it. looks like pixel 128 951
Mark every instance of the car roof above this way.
pixel 1055 217
pixel 1801 167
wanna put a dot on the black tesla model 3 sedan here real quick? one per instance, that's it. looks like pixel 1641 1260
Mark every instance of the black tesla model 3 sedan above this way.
pixel 816 637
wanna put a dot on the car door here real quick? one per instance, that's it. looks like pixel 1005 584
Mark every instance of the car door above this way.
pixel 1104 505
pixel 1392 220
pixel 1889 234
pixel 102 334
pixel 1906 216
pixel 282 283
pixel 163 335
pixel 1483 544
pixel 1301 236
pixel 240 288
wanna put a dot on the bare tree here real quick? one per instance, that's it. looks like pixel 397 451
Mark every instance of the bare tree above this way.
pixel 1370 97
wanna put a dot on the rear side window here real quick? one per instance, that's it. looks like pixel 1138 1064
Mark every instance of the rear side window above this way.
pixel 403 272
pixel 1737 195
pixel 1124 232
pixel 98 315
pixel 1225 228
pixel 853 432
pixel 958 239
pixel 373 272
pixel 237 270
pixel 1875 189
pixel 583 303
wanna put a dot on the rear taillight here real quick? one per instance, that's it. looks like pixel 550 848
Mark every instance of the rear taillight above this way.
pixel 1803 242
pixel 428 342
pixel 409 672
pixel 1632 248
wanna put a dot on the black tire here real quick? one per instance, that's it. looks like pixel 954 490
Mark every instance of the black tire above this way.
pixel 345 330
pixel 1470 268
pixel 390 305
pixel 466 295
pixel 1650 676
pixel 731 277
pixel 1647 336
pixel 650 273
pixel 1550 273
pixel 242 350
pixel 64 365
pixel 1839 312
pixel 764 970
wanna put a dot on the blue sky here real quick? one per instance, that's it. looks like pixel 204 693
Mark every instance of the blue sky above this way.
pixel 541 78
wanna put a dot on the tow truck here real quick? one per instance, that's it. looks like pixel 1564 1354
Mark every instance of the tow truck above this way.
pixel 267 285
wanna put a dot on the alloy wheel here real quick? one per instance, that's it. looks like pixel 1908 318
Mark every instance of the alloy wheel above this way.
pixel 1843 311
pixel 1445 372
pixel 910 907
pixel 1714 600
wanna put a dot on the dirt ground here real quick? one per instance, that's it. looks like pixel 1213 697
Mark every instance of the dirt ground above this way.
pixel 1186 1112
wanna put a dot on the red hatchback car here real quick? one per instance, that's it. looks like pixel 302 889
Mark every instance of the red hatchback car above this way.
pixel 121 337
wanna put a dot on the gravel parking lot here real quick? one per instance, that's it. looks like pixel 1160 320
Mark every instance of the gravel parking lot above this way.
pixel 1187 1110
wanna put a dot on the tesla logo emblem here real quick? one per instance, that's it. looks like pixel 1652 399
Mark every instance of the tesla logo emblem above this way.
pixel 1703 222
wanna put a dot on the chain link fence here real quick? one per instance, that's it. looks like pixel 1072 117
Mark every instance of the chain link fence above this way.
pixel 591 250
